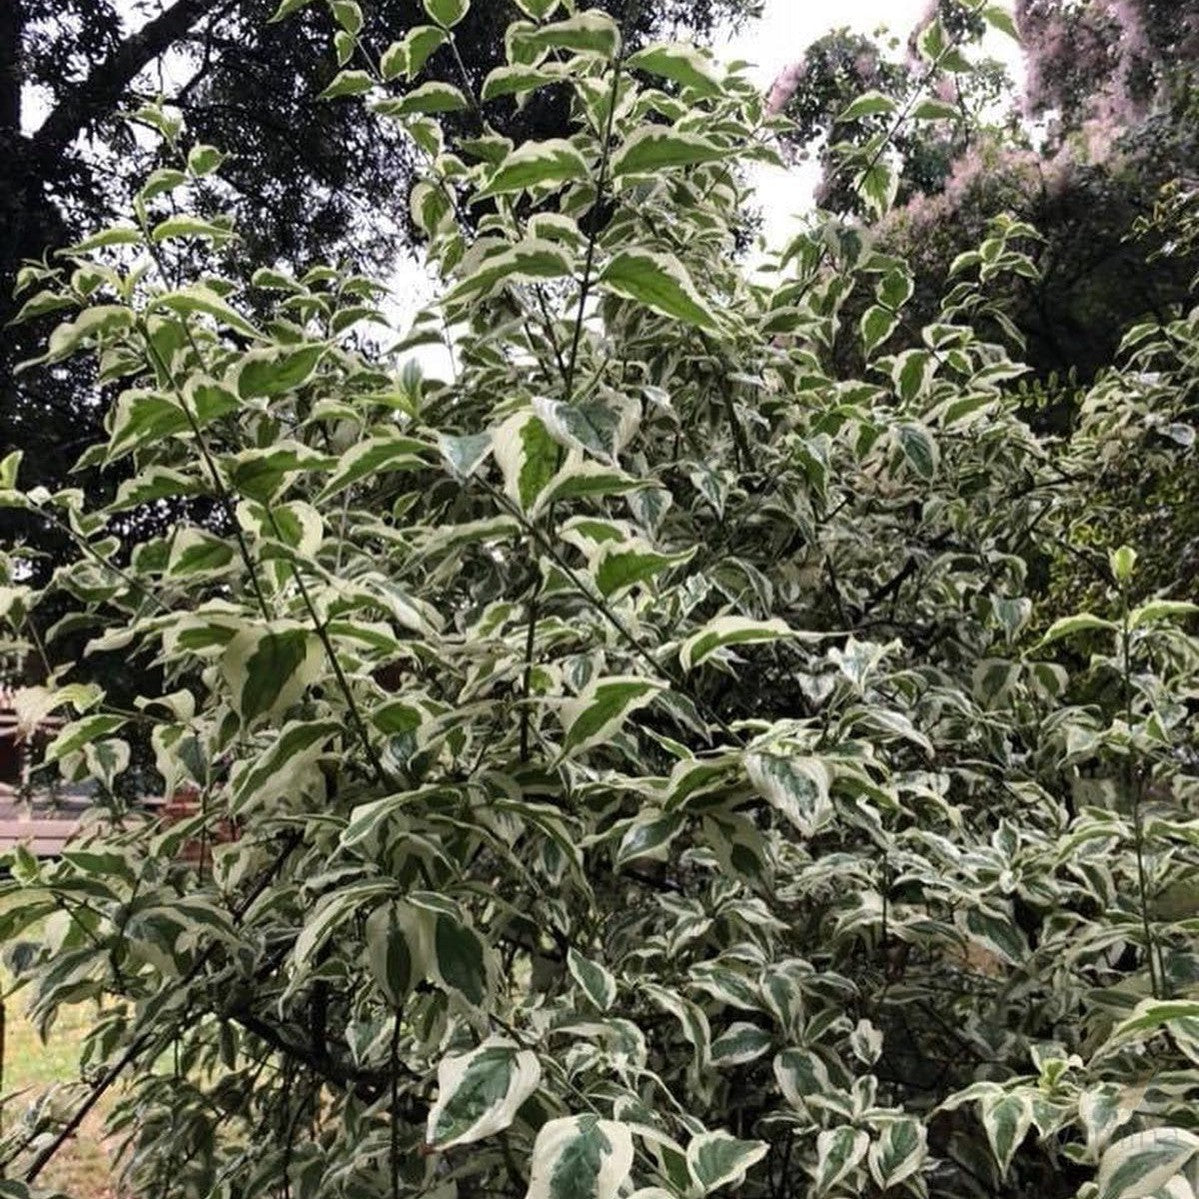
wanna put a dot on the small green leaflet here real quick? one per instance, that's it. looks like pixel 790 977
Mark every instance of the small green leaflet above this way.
pixel 536 164
pixel 681 64
pixel 268 667
pixel 797 786
pixel 1141 1164
pixel 580 1157
pixel 878 323
pixel 198 298
pixel 464 453
pixel 348 83
pixel 527 457
pixel 447 13
pixel 718 1159
pixel 838 1153
pixel 659 282
pixel 1006 1119
pixel 920 450
pixel 899 1152
pixel 593 716
pixel 729 630
pixel 598 984
pixel 1156 610
pixel 655 147
pixel 480 1092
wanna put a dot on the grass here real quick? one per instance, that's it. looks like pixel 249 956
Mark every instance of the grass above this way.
pixel 83 1168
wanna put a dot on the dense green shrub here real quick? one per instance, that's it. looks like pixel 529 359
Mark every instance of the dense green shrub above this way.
pixel 636 762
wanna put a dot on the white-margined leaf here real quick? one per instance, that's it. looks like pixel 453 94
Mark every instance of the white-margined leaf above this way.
pixel 527 457
pixel 730 630
pixel 797 786
pixel 899 1153
pixel 598 983
pixel 661 283
pixel 1141 1164
pixel 602 707
pixel 718 1159
pixel 267 668
pixel 580 1157
pixel 548 163
pixel 654 148
pixel 480 1092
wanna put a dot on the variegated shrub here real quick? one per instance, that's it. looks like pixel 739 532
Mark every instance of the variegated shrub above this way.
pixel 636 762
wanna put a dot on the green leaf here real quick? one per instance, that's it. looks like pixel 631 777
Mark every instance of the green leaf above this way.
pixel 528 459
pixel 729 630
pixel 1156 610
pixel 867 105
pixel 461 958
pixel 620 565
pixel 593 426
pixel 1122 561
pixel 74 736
pixel 196 553
pixel 684 65
pixel 601 708
pixel 408 57
pixel 797 786
pixel 284 767
pixel 590 32
pixel 348 83
pixel 1141 1164
pixel 277 369
pixel 580 1157
pixel 660 282
pixel 1006 1120
pixel 930 109
pixel 536 164
pixel 920 450
pixel 447 13
pixel 185 225
pixel 529 261
pixel 394 964
pixel 878 323
pixel 203 160
pixel 374 456
pixel 429 98
pixel 1000 18
pixel 654 148
pixel 198 298
pixel 268 667
pixel 598 984
pixel 839 1151
pixel 717 1159
pixel 286 8
pixel 740 1043
pixel 479 1093
pixel 517 80
pixel 1083 622
pixel 899 1153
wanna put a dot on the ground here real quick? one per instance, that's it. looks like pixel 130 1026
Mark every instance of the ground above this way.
pixel 83 1170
